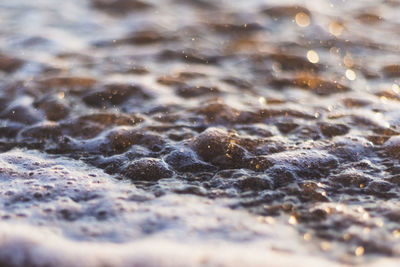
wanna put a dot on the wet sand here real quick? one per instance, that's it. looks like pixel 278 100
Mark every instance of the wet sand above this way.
pixel 199 133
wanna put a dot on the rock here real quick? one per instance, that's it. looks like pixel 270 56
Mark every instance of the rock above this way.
pixel 9 64
pixel 391 71
pixel 311 83
pixel 220 148
pixel 120 140
pixel 120 7
pixel 331 129
pixel 148 169
pixel 253 183
pixel 54 108
pixel 185 160
pixel 69 82
pixel 351 178
pixel 392 147
pixel 22 114
pixel 42 132
pixel 114 94
pixel 289 11
pixel 196 91
pixel 295 63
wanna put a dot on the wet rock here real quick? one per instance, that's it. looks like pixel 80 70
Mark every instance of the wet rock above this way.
pixel 10 129
pixel 120 140
pixel 199 3
pixel 319 86
pixel 285 11
pixel 379 186
pixel 69 214
pixel 114 94
pixel 392 147
pixel 227 28
pixel 54 108
pixel 255 130
pixel 148 169
pixel 314 84
pixel 67 82
pixel 259 163
pixel 356 102
pixel 4 102
pixel 351 178
pixel 193 190
pixel 195 91
pixel 391 71
pixel 137 70
pixel 43 132
pixel 108 119
pixel 188 57
pixel 351 150
pixel 190 75
pixel 331 129
pixel 378 139
pixel 185 160
pixel 9 64
pixel 120 7
pixel 310 191
pixel 369 18
pixel 295 63
pixel 306 164
pixel 171 81
pixel 395 179
pixel 223 114
pixel 281 176
pixel 286 126
pixel 388 94
pixel 145 37
pixel 211 143
pixel 253 183
pixel 80 129
pixel 22 114
pixel 283 112
pixel 222 149
pixel 239 83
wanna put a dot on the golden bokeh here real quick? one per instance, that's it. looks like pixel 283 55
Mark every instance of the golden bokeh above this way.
pixel 336 28
pixel 312 56
pixel 302 19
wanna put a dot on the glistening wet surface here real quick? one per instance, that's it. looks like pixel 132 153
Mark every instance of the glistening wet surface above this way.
pixel 199 133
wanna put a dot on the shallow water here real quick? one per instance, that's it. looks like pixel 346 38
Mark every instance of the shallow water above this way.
pixel 196 132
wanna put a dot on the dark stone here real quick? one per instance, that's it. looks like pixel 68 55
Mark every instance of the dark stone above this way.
pixel 148 169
